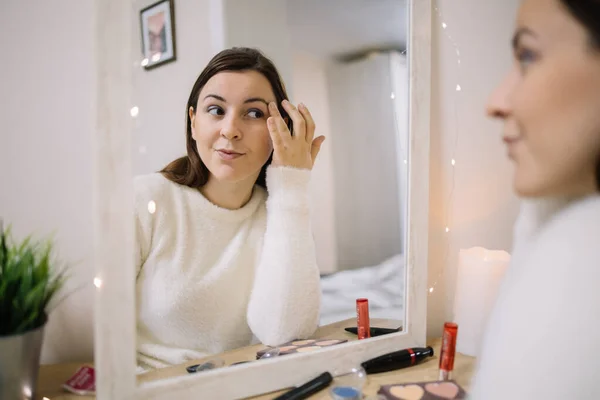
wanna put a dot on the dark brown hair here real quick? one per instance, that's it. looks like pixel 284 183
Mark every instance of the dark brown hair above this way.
pixel 587 12
pixel 189 170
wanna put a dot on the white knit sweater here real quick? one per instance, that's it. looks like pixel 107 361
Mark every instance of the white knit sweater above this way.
pixel 211 279
pixel 543 336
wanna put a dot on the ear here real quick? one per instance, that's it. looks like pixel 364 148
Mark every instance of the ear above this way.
pixel 192 116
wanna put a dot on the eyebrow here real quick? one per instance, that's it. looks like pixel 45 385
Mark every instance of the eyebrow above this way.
pixel 250 100
pixel 520 33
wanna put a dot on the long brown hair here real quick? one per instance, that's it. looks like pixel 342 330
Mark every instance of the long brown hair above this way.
pixel 189 170
pixel 588 14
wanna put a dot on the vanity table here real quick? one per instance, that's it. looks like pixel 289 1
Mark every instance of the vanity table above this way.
pixel 52 376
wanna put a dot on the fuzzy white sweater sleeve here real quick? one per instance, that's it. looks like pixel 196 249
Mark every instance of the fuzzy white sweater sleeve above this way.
pixel 286 296
pixel 542 338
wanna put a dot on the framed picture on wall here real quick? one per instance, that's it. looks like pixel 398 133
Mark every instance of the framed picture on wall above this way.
pixel 158 34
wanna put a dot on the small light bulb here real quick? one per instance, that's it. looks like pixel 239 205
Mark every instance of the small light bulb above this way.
pixel 156 57
pixel 97 282
pixel 393 96
pixel 458 88
pixel 151 207
pixel 453 162
pixel 45 398
pixel 444 25
pixel 447 229
pixel 405 162
pixel 431 290
pixel 134 111
pixel 144 62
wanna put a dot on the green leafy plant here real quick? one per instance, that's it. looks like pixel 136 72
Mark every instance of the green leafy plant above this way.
pixel 29 281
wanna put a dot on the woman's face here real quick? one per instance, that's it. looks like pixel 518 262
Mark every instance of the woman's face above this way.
pixel 550 103
pixel 229 125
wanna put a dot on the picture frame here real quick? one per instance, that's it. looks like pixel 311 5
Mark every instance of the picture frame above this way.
pixel 157 23
pixel 114 325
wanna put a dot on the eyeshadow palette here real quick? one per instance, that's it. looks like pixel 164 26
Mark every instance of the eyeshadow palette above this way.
pixel 436 390
pixel 302 346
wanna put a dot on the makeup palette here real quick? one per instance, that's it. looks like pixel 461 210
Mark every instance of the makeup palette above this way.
pixel 436 390
pixel 302 346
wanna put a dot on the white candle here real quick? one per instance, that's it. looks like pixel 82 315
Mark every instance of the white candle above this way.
pixel 480 272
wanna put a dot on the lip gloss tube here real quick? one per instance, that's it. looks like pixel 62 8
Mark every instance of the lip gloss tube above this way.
pixel 362 318
pixel 448 350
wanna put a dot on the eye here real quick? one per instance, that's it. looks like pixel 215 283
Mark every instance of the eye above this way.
pixel 215 110
pixel 254 113
pixel 526 57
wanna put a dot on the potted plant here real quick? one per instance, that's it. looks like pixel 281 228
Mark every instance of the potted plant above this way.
pixel 30 280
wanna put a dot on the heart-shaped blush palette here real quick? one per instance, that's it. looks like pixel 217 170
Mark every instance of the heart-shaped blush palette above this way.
pixel 445 390
pixel 437 390
pixel 408 392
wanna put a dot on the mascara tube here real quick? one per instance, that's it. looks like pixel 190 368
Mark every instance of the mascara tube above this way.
pixel 397 359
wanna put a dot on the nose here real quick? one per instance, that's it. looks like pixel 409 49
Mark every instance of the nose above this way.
pixel 230 128
pixel 499 103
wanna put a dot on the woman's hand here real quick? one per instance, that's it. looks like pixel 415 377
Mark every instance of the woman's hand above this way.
pixel 298 151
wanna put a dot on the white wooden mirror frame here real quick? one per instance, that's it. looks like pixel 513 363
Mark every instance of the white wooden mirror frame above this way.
pixel 115 330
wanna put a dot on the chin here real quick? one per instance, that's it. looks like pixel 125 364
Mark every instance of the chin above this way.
pixel 532 189
pixel 527 188
pixel 527 192
pixel 229 175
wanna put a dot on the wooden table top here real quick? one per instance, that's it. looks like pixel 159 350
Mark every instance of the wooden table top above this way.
pixel 52 376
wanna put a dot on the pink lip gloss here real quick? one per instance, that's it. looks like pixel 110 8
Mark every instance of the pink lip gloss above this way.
pixel 362 319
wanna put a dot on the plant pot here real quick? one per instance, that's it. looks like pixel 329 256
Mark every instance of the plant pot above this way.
pixel 20 363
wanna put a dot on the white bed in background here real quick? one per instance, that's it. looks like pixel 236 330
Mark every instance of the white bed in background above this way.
pixel 382 284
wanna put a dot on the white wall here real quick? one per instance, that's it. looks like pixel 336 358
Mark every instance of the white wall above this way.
pixel 310 86
pixel 482 209
pixel 47 118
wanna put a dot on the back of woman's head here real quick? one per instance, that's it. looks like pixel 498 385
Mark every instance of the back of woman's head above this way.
pixel 190 170
pixel 587 12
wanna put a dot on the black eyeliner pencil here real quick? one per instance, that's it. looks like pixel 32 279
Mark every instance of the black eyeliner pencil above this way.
pixel 308 389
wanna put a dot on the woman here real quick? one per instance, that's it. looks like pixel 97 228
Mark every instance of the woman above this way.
pixel 224 236
pixel 542 340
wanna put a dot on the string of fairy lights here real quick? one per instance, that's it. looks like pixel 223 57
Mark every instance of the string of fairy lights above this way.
pixel 449 203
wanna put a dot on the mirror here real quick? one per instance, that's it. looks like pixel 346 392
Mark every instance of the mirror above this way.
pixel 115 89
pixel 346 60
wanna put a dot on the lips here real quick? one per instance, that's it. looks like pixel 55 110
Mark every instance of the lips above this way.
pixel 228 154
pixel 511 142
pixel 511 139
